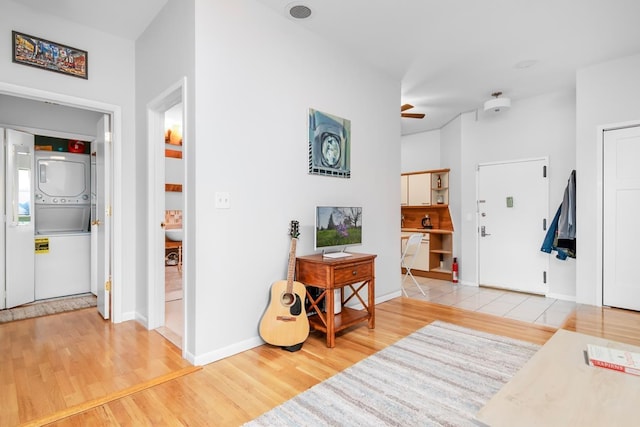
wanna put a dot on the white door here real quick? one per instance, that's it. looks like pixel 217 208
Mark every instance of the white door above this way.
pixel 19 226
pixel 621 230
pixel 512 205
pixel 2 226
pixel 101 222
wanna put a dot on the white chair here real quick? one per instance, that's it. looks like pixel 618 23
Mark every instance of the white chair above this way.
pixel 408 258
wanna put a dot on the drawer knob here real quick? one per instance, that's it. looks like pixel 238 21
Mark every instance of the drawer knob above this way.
pixel 354 272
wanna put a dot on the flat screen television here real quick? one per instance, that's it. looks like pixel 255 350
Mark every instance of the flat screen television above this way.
pixel 337 227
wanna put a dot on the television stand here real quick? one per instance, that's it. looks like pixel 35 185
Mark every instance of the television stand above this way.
pixel 336 255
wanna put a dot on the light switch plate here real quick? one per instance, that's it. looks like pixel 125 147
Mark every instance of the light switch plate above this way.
pixel 223 200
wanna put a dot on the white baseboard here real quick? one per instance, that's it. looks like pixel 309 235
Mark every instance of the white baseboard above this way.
pixel 562 297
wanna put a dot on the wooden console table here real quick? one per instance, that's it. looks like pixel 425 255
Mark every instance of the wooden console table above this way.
pixel 356 272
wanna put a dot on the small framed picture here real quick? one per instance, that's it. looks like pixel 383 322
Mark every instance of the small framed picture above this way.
pixel 48 55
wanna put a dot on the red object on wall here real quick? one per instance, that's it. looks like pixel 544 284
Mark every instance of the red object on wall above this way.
pixel 454 270
pixel 76 146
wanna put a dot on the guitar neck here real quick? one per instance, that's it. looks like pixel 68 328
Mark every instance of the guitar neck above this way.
pixel 292 265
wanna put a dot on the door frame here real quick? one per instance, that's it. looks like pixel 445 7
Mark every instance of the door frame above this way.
pixel 156 109
pixel 528 159
pixel 599 226
pixel 115 112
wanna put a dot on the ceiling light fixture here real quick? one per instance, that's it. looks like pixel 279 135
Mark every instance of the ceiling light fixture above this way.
pixel 497 103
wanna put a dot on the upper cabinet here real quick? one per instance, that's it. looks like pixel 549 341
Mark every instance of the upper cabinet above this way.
pixel 426 188
pixel 419 193
pixel 404 190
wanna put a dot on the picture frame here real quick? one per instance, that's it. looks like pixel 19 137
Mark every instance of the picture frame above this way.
pixel 329 145
pixel 51 56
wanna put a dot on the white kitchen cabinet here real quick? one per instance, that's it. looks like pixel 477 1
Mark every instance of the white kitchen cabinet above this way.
pixel 404 190
pixel 419 193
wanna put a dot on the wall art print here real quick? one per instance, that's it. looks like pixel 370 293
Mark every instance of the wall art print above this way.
pixel 48 55
pixel 329 145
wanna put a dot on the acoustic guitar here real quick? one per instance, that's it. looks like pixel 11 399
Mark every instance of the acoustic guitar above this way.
pixel 285 322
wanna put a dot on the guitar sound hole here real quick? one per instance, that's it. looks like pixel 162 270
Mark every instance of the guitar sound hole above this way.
pixel 287 299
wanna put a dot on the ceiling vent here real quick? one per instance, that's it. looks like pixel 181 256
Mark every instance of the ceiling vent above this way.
pixel 299 11
pixel 497 104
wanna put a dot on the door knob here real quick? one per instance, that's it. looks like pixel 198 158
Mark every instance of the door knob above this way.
pixel 162 224
pixel 483 232
pixel 96 222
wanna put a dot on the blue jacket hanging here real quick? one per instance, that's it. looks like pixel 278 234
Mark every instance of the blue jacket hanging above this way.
pixel 561 235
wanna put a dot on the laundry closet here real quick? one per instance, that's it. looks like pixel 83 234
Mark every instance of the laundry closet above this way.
pixel 49 194
pixel 48 202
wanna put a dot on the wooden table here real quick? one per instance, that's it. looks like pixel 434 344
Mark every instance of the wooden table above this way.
pixel 355 272
pixel 557 387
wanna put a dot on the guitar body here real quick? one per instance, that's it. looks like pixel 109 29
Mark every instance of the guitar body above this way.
pixel 284 323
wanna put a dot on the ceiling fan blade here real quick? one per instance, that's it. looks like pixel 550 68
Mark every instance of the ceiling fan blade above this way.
pixel 413 115
pixel 406 107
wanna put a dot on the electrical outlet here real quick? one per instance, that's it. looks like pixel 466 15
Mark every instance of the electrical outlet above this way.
pixel 223 200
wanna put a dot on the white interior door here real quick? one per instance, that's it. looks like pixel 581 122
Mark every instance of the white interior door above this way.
pixel 512 205
pixel 19 223
pixel 2 215
pixel 621 231
pixel 101 222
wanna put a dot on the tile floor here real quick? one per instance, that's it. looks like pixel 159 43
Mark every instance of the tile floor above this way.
pixel 515 305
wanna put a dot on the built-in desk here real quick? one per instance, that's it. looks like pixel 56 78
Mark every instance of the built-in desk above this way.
pixel 355 272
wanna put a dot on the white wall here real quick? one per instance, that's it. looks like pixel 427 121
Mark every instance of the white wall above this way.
pixel 258 73
pixel 110 82
pixel 542 126
pixel 29 113
pixel 420 151
pixel 608 94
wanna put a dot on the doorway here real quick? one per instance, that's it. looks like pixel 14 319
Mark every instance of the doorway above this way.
pixel 19 97
pixel 512 208
pixel 167 230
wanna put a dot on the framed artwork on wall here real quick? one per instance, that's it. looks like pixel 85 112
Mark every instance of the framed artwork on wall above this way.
pixel 48 55
pixel 329 145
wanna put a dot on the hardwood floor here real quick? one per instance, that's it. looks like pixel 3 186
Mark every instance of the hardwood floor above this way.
pixel 56 363
pixel 113 366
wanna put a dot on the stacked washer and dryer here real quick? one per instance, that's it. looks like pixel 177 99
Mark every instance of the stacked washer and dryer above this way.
pixel 62 224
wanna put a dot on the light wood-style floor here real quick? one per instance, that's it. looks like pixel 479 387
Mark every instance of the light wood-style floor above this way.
pixel 50 364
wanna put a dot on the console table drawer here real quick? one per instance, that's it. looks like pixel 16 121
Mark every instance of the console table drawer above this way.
pixel 353 273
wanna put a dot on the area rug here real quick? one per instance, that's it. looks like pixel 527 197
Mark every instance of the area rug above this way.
pixel 441 375
pixel 43 308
